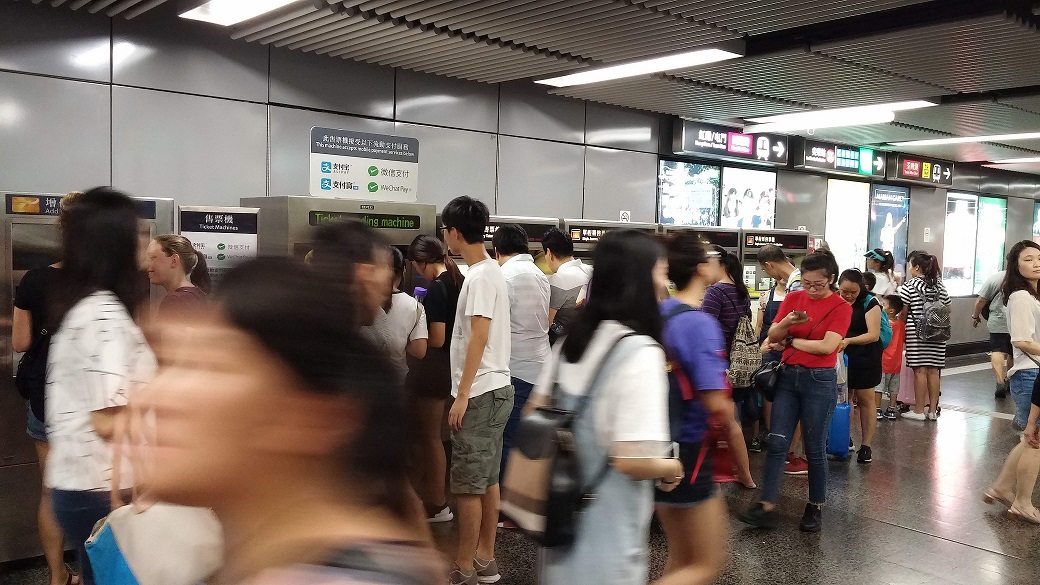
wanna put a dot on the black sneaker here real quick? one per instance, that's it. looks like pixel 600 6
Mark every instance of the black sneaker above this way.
pixel 852 448
pixel 812 519
pixel 755 446
pixel 758 517
pixel 892 413
pixel 1001 392
pixel 864 455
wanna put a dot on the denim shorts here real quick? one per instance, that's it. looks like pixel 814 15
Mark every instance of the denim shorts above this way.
pixel 34 427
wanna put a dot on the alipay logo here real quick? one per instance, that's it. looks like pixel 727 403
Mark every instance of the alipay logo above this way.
pixel 326 184
pixel 326 166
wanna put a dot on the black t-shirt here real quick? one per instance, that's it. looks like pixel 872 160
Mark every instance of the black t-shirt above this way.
pixel 442 300
pixel 858 326
pixel 31 295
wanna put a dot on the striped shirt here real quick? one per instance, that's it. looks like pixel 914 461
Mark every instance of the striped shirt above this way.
pixel 920 353
pixel 528 290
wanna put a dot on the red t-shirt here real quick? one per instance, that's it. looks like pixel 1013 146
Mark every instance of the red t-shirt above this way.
pixel 829 314
pixel 892 358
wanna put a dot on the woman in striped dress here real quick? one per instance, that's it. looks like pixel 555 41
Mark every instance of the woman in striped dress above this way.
pixel 926 358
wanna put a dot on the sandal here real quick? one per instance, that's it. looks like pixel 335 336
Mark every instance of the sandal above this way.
pixel 990 496
pixel 73 578
pixel 1020 515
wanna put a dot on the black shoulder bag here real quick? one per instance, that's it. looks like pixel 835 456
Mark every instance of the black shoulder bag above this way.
pixel 31 376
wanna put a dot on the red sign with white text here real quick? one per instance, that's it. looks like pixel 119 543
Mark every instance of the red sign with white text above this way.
pixel 911 168
pixel 740 143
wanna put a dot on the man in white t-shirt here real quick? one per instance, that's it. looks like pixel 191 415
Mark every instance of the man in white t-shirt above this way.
pixel 528 290
pixel 480 351
pixel 569 280
pixel 778 266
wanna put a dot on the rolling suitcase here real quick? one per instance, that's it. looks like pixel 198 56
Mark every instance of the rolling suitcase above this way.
pixel 839 434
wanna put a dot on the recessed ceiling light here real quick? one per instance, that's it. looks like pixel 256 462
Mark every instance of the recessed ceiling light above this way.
pixel 647 66
pixel 1014 161
pixel 966 139
pixel 228 12
pixel 833 118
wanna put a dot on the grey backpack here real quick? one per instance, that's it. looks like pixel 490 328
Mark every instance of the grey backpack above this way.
pixel 934 322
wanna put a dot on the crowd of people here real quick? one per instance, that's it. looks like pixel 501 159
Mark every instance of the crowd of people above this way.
pixel 307 402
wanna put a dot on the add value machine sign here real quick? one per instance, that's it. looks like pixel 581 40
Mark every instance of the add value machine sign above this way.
pixel 225 235
pixel 358 165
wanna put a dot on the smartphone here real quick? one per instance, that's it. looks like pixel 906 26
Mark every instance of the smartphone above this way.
pixel 800 314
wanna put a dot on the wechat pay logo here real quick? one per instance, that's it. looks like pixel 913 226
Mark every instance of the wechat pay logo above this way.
pixel 326 166
pixel 373 171
pixel 221 246
pixel 221 257
pixel 373 187
pixel 326 184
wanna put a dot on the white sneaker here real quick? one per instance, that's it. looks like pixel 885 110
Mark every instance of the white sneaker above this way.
pixel 444 515
pixel 932 416
pixel 914 415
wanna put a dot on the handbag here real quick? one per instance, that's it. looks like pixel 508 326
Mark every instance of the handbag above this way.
pixel 124 548
pixel 768 374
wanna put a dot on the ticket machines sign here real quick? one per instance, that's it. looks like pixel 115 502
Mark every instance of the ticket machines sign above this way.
pixel 841 159
pixel 916 169
pixel 728 143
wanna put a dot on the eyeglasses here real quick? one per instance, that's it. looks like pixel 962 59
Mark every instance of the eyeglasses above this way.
pixel 814 285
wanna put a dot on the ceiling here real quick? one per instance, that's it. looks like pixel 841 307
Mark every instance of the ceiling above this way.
pixel 979 58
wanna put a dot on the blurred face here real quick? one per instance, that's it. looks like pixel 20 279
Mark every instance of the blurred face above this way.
pixel 915 270
pixel 225 416
pixel 873 264
pixel 816 284
pixel 425 270
pixel 661 282
pixel 144 239
pixel 1029 264
pixel 453 239
pixel 376 281
pixel 849 291
pixel 770 269
pixel 162 269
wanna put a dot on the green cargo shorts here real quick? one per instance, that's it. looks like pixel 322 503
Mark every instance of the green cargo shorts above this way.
pixel 476 448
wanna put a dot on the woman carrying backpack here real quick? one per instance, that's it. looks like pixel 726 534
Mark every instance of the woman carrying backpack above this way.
pixel 862 345
pixel 622 435
pixel 927 331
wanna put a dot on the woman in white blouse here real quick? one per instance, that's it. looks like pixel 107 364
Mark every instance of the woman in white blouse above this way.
pixel 1014 486
pixel 97 357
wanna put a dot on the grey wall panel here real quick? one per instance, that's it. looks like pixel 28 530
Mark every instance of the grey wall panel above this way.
pixel 528 110
pixel 995 182
pixel 54 134
pixel 197 150
pixel 443 101
pixel 39 39
pixel 962 330
pixel 290 144
pixel 927 210
pixel 539 178
pixel 453 163
pixel 186 56
pixel 615 127
pixel 1023 185
pixel 1020 218
pixel 324 83
pixel 617 180
pixel 801 200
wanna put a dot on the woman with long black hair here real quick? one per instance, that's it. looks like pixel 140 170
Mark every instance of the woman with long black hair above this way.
pixel 623 434
pixel 882 264
pixel 862 345
pixel 926 358
pixel 98 357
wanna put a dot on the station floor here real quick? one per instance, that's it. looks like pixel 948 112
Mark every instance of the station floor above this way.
pixel 912 517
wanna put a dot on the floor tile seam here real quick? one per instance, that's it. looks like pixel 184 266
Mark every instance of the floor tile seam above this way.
pixel 950 540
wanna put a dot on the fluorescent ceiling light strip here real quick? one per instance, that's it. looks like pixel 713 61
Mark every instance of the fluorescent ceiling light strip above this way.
pixel 228 12
pixel 966 139
pixel 823 119
pixel 853 111
pixel 645 67
pixel 1013 161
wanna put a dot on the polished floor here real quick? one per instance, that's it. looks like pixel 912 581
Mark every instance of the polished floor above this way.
pixel 912 517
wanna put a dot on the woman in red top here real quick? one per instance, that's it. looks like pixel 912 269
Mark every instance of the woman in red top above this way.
pixel 808 328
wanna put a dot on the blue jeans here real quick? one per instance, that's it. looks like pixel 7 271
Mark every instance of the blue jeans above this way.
pixel 521 392
pixel 76 513
pixel 1022 394
pixel 806 395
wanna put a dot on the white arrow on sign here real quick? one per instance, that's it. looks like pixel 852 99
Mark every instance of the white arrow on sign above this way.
pixel 779 149
pixel 946 174
pixel 879 163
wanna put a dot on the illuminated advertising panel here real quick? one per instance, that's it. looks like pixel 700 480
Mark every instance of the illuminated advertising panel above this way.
pixel 688 193
pixel 958 271
pixel 748 198
pixel 848 204
pixel 989 252
pixel 889 213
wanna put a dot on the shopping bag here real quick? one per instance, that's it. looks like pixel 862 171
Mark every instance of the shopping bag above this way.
pixel 906 386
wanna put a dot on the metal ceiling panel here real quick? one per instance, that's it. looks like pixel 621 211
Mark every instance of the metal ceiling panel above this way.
pixel 980 54
pixel 873 134
pixel 972 119
pixel 761 16
pixel 125 8
pixel 811 78
pixel 971 151
pixel 678 97
pixel 603 30
pixel 1029 104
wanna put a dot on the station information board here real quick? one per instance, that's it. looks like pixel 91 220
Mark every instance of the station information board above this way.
pixel 841 159
pixel 593 232
pixel 917 169
pixel 535 231
pixel 728 143
pixel 787 241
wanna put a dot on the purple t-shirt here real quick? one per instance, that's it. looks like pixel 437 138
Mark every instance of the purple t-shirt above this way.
pixel 695 340
pixel 722 301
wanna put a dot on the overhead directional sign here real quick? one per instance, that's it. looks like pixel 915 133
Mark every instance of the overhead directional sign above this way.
pixel 917 169
pixel 841 159
pixel 727 143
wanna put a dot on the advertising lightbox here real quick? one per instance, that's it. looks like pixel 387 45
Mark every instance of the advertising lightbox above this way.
pixel 958 271
pixel 848 202
pixel 688 193
pixel 989 252
pixel 748 198
pixel 889 213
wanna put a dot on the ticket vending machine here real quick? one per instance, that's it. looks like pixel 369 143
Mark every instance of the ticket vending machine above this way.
pixel 794 243
pixel 587 232
pixel 535 228
pixel 30 237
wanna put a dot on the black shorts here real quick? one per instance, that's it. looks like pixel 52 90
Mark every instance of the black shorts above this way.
pixel 693 489
pixel 1001 342
pixel 430 377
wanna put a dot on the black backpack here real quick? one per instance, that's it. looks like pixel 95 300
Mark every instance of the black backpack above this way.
pixel 31 376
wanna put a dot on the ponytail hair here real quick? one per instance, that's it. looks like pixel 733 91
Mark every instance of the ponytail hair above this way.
pixel 430 250
pixel 929 267
pixel 192 262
